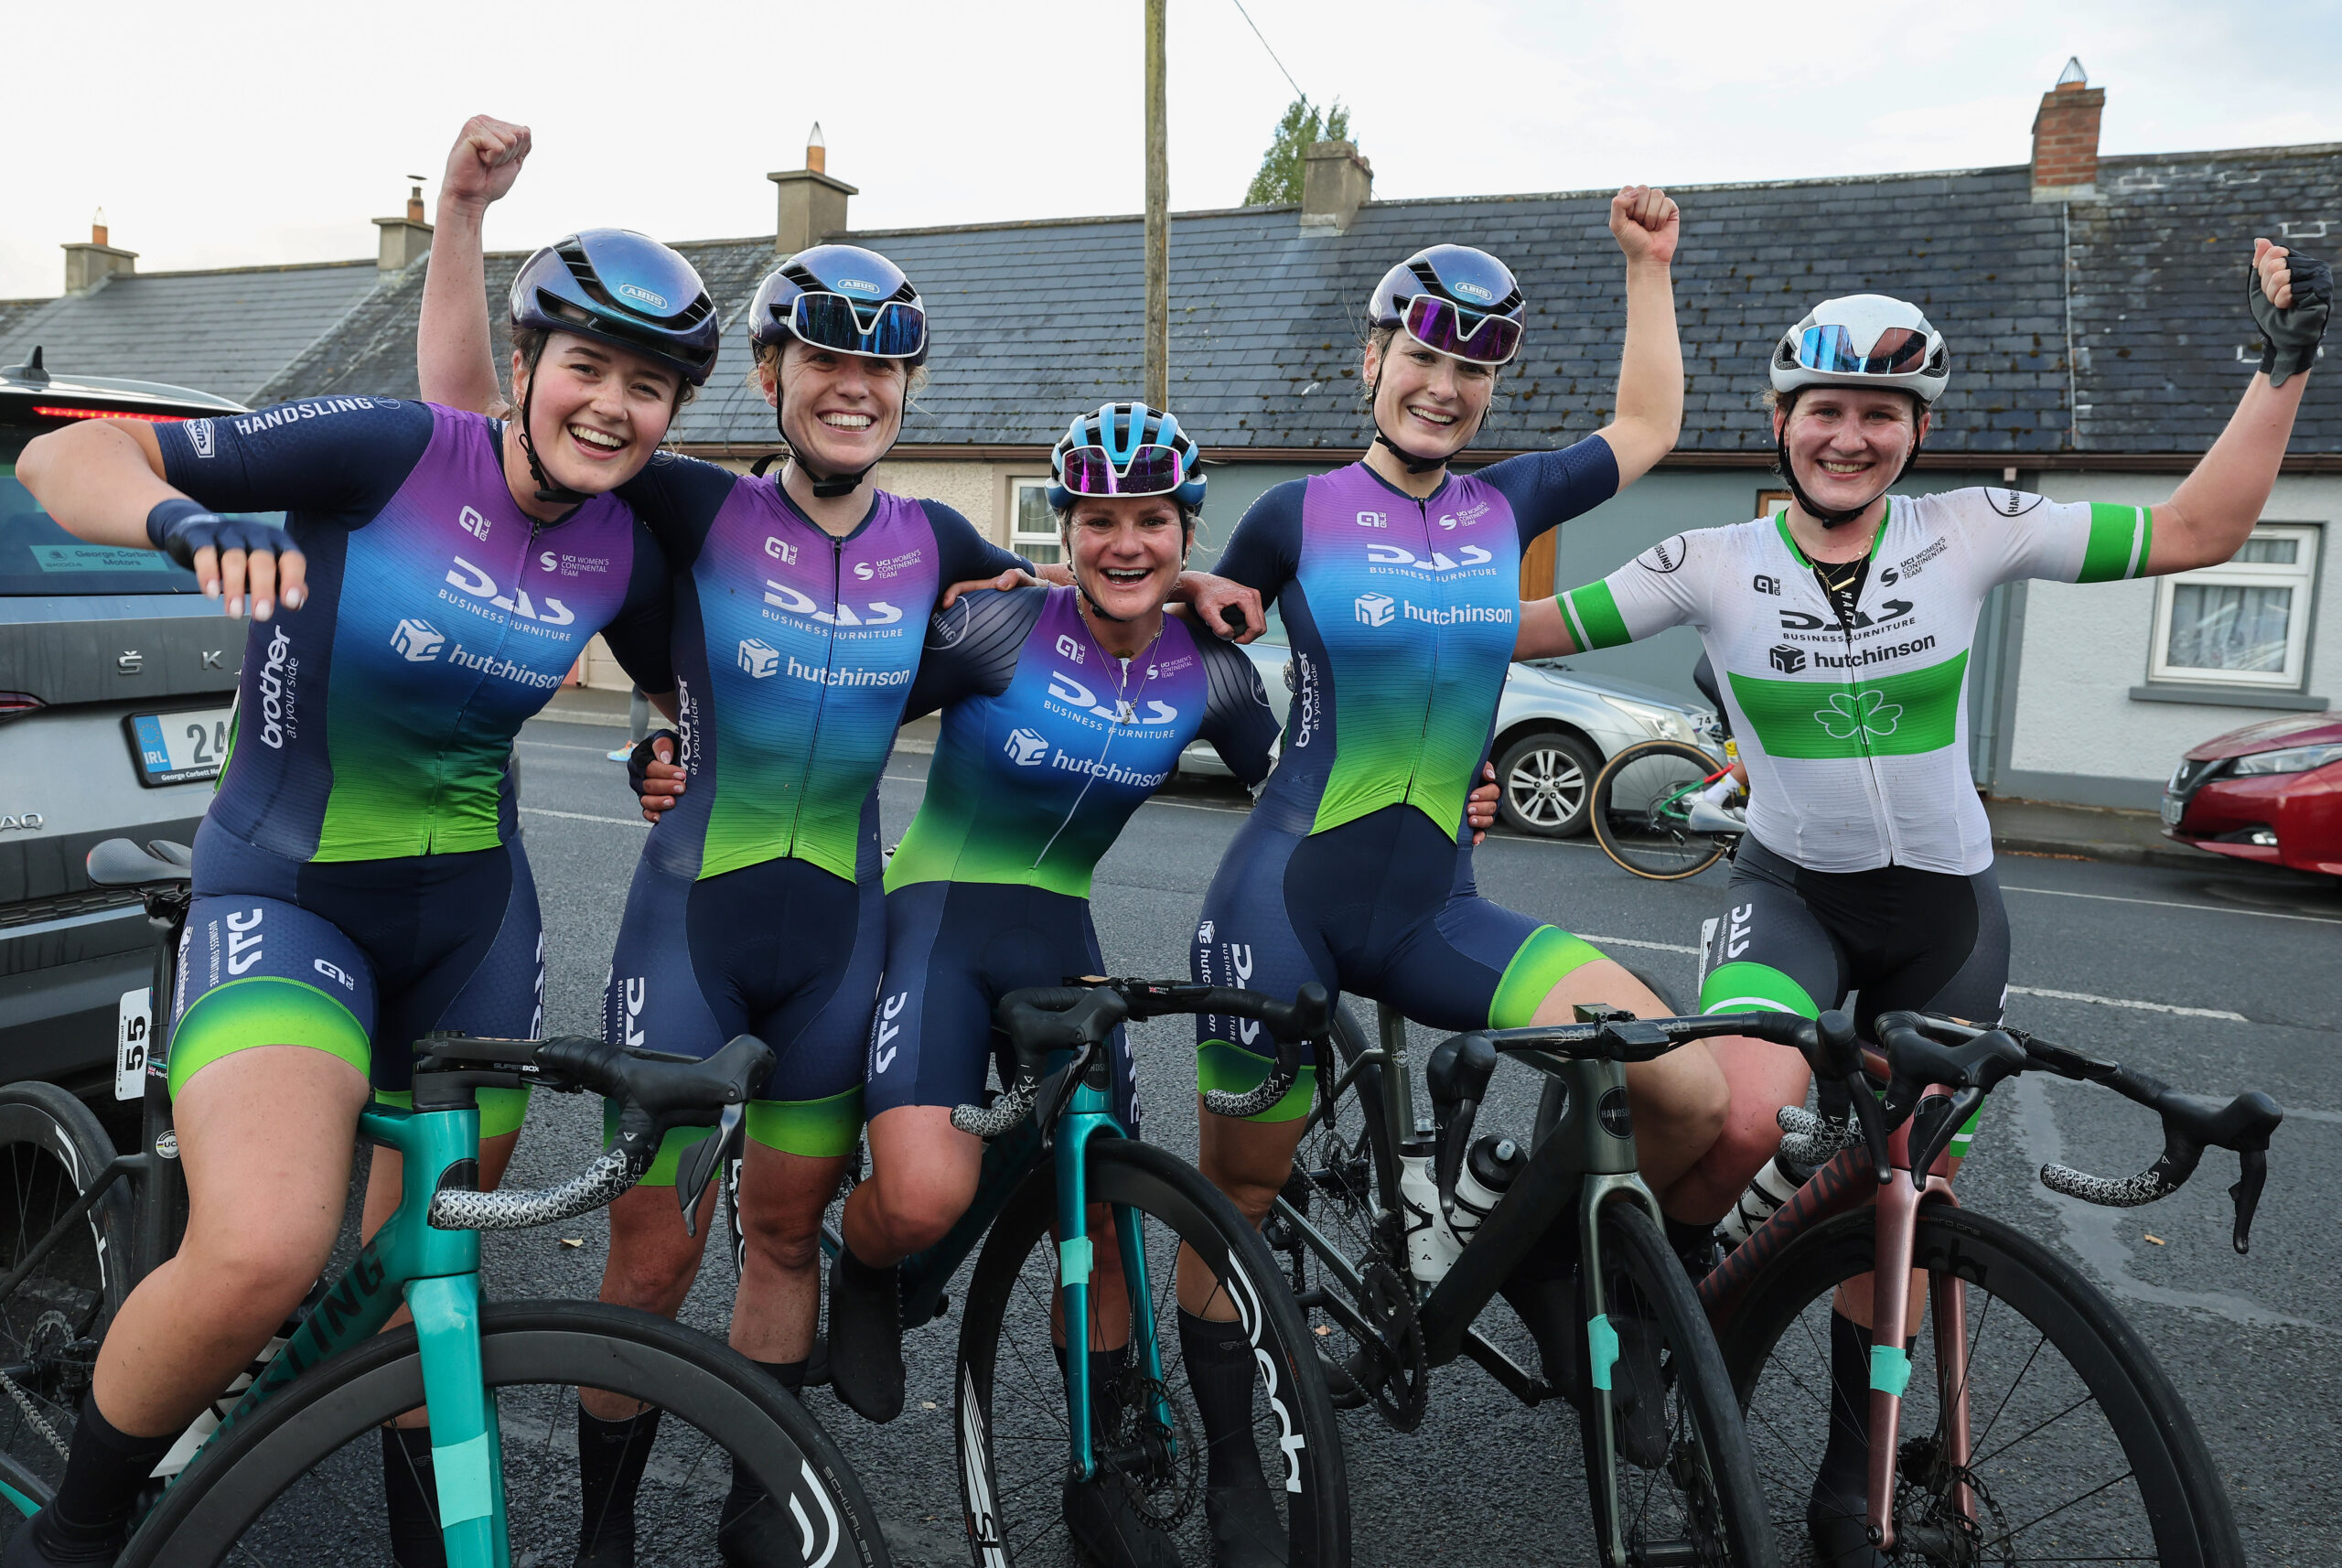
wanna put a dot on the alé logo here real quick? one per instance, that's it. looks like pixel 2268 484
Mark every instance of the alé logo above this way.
pixel 1379 553
pixel 883 1030
pixel 781 550
pixel 780 596
pixel 1376 609
pixel 1065 689
pixel 1069 649
pixel 471 522
pixel 468 579
pixel 1026 747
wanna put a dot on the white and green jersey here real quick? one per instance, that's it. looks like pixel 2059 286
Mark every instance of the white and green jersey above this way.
pixel 1855 735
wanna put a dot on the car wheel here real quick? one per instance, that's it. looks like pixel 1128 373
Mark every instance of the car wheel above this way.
pixel 1543 782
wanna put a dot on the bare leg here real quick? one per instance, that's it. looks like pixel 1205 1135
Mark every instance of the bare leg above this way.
pixel 923 1173
pixel 1761 1077
pixel 781 1200
pixel 1678 1101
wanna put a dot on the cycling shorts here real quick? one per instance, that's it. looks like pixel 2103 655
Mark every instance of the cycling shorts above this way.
pixel 358 958
pixel 1382 907
pixel 782 950
pixel 1800 941
pixel 954 951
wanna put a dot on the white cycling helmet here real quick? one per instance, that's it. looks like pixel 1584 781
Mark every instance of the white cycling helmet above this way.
pixel 1864 341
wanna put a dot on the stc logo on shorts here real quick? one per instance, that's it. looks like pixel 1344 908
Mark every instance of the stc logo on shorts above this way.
pixel 780 596
pixel 1376 609
pixel 758 659
pixel 883 1030
pixel 1026 747
pixel 244 940
pixel 417 641
pixel 469 580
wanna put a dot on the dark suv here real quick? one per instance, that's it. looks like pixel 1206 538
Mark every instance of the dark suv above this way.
pixel 116 682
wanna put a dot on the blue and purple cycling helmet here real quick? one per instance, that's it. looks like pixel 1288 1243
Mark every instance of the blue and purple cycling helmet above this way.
pixel 625 289
pixel 1453 300
pixel 842 298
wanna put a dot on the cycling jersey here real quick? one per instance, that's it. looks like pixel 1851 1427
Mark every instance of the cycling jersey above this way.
pixel 794 652
pixel 377 719
pixel 1856 732
pixel 1048 745
pixel 1401 616
pixel 1050 742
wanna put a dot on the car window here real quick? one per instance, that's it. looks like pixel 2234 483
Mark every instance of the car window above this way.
pixel 39 557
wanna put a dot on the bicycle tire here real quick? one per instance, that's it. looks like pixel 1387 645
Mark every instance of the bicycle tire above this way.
pixel 1703 1502
pixel 310 1448
pixel 1621 846
pixel 1017 1515
pixel 2174 1486
pixel 52 1149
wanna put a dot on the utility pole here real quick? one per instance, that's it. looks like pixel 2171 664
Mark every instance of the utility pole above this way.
pixel 1158 217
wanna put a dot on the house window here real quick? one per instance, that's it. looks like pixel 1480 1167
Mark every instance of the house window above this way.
pixel 1770 501
pixel 2244 622
pixel 1032 526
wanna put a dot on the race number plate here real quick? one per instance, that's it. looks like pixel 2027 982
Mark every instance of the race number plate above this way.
pixel 181 747
pixel 132 1035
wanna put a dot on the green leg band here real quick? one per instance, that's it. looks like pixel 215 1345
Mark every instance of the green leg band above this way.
pixel 266 1010
pixel 662 1169
pixel 1890 1368
pixel 501 1111
pixel 1219 1065
pixel 818 1129
pixel 1601 1351
pixel 1549 956
pixel 1754 988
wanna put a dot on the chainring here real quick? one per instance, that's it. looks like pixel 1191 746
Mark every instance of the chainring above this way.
pixel 1395 1372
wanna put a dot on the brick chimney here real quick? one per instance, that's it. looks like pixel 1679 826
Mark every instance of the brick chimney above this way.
pixel 812 203
pixel 86 267
pixel 1334 181
pixel 404 241
pixel 2065 138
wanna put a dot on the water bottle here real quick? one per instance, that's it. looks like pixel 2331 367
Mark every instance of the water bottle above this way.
pixel 1772 1188
pixel 1488 1170
pixel 1431 1247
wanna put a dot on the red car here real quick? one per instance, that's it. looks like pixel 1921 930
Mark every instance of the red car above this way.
pixel 2271 792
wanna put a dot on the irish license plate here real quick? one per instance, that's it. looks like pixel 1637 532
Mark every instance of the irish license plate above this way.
pixel 178 748
pixel 2173 808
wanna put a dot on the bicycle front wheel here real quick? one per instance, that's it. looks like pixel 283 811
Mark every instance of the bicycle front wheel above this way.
pixel 301 1480
pixel 1013 1422
pixel 1640 805
pixel 2078 1447
pixel 1688 1490
pixel 52 1151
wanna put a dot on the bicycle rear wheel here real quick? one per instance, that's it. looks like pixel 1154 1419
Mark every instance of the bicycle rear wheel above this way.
pixel 300 1480
pixel 1013 1422
pixel 1688 1488
pixel 1638 810
pixel 2079 1447
pixel 52 1151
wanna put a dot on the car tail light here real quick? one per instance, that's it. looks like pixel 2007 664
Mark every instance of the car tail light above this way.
pixel 14 704
pixel 58 412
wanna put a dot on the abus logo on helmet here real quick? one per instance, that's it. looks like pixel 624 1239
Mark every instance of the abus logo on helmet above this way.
pixel 861 285
pixel 275 671
pixel 1471 291
pixel 641 295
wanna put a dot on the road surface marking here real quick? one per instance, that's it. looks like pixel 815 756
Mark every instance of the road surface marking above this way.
pixel 2220 1013
pixel 584 817
pixel 557 745
pixel 2169 904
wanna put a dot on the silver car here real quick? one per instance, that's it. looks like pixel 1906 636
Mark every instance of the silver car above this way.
pixel 1555 728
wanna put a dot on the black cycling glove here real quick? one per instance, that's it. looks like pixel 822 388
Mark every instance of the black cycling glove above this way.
pixel 2290 336
pixel 178 528
pixel 639 761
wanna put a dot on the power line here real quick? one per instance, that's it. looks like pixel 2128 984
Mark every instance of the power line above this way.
pixel 1271 53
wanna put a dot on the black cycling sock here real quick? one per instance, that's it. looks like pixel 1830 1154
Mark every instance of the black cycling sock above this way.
pixel 1845 1458
pixel 1105 1377
pixel 747 1491
pixel 411 1493
pixel 1694 1243
pixel 88 1519
pixel 610 1459
pixel 1220 1374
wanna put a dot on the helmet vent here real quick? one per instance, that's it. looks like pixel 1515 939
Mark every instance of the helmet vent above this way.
pixel 581 269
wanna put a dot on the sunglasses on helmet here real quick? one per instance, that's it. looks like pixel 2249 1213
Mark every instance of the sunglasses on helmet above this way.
pixel 1899 351
pixel 897 330
pixel 1152 470
pixel 1446 327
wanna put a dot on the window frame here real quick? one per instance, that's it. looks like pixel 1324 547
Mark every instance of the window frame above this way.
pixel 2301 576
pixel 1020 541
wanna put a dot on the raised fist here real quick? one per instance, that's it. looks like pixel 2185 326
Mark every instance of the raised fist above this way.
pixel 484 162
pixel 1646 224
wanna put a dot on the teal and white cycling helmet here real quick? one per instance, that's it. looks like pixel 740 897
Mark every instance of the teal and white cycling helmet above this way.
pixel 1126 449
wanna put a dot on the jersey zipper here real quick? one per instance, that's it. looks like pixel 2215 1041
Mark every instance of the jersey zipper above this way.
pixel 1885 818
pixel 439 784
pixel 821 702
pixel 1414 766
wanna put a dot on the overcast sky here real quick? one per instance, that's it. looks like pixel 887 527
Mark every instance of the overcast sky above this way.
pixel 261 130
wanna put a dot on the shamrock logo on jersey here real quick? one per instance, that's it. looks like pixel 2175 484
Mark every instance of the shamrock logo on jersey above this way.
pixel 1862 713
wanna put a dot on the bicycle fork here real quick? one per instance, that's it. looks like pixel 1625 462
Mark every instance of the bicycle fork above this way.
pixel 1896 1228
pixel 1088 1117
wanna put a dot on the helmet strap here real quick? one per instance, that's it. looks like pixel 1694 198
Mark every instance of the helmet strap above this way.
pixel 826 487
pixel 1413 463
pixel 548 490
pixel 1814 510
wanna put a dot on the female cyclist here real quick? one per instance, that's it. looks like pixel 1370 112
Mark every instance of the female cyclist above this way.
pixel 1398 585
pixel 801 602
pixel 358 879
pixel 1842 626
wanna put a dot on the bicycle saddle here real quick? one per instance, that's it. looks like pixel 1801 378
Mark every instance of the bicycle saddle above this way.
pixel 118 863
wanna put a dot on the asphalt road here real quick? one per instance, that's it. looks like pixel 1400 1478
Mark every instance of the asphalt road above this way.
pixel 2215 983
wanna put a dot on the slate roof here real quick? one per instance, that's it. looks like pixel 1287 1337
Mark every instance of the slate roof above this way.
pixel 227 331
pixel 1035 320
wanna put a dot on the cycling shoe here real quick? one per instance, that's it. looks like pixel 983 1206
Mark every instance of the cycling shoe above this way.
pixel 866 1338
pixel 1245 1530
pixel 1108 1532
pixel 1638 1394
pixel 1548 1309
pixel 24 1551
pixel 760 1535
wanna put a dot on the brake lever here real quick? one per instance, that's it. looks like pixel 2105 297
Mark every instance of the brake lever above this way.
pixel 1964 1104
pixel 1872 1118
pixel 2251 1178
pixel 698 1164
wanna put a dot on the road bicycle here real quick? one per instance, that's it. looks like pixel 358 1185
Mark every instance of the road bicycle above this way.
pixel 1063 1181
pixel 2017 1417
pixel 1397 1233
pixel 288 1464
pixel 1651 815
